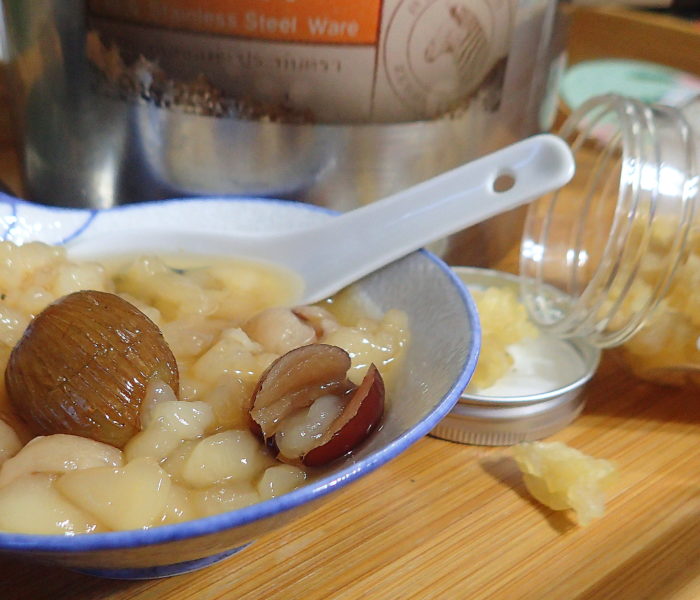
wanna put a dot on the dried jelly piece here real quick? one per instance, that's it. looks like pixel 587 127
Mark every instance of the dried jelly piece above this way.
pixel 562 478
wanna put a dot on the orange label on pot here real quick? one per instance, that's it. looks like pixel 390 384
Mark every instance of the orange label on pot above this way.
pixel 311 21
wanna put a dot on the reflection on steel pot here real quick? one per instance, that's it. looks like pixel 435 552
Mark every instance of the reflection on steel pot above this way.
pixel 333 103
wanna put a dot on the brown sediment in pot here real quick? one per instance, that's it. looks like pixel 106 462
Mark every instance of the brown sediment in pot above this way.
pixel 144 80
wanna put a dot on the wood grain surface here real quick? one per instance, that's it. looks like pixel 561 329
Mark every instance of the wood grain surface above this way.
pixel 450 521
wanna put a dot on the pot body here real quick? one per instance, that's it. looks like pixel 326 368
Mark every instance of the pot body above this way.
pixel 337 104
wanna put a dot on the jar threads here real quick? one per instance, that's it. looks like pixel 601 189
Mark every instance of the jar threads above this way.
pixel 600 256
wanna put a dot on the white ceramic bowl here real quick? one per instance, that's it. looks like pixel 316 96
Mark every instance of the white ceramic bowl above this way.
pixel 441 358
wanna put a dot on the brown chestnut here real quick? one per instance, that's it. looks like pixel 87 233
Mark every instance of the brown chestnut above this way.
pixel 300 377
pixel 82 367
pixel 359 418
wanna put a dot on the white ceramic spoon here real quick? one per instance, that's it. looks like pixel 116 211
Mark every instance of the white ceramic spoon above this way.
pixel 356 243
pixel 338 251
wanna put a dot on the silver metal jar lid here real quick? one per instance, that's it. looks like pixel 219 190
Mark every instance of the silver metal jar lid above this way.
pixel 522 412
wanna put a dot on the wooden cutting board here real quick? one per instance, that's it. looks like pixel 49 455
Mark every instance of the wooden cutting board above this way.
pixel 455 522
pixel 449 521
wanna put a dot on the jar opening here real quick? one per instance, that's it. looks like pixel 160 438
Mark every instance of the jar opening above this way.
pixel 598 255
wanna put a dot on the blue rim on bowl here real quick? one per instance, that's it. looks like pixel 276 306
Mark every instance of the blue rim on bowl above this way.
pixel 23 222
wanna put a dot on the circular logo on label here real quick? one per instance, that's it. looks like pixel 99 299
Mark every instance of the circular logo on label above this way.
pixel 438 52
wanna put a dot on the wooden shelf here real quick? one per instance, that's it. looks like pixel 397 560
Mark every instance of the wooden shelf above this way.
pixel 624 33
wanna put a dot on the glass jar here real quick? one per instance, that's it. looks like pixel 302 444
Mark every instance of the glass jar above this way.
pixel 614 256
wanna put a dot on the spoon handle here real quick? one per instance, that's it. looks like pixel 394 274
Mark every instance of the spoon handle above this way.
pixel 365 239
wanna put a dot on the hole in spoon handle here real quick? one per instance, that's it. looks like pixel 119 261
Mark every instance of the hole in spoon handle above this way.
pixel 503 182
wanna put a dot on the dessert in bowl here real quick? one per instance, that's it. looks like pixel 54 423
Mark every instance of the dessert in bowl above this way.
pixel 436 362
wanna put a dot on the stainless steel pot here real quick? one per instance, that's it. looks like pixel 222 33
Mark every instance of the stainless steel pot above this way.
pixel 438 83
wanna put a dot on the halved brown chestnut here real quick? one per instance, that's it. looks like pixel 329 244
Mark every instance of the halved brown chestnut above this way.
pixel 360 417
pixel 82 367
pixel 298 379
